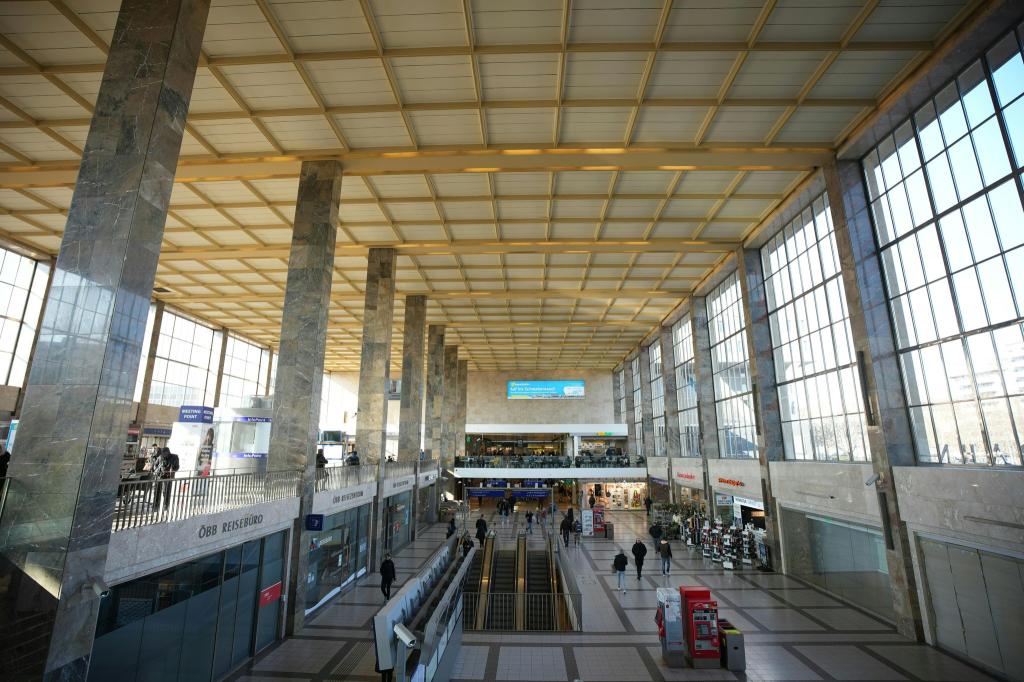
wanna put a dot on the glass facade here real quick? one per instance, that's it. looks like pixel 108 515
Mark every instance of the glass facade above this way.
pixel 638 410
pixel 945 192
pixel 621 395
pixel 820 397
pixel 22 289
pixel 398 521
pixel 196 621
pixel 245 372
pixel 686 388
pixel 185 369
pixel 337 554
pixel 657 398
pixel 730 368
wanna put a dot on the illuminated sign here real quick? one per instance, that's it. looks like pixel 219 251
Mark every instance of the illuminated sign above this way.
pixel 570 389
pixel 732 482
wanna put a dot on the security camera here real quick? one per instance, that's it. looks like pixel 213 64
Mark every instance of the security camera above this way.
pixel 873 479
pixel 406 635
pixel 97 587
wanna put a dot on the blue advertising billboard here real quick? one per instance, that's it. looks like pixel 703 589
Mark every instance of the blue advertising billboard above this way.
pixel 569 389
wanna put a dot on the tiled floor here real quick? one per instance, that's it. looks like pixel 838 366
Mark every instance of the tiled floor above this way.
pixel 792 631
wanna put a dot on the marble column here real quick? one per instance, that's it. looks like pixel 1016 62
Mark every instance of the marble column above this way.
pixel 300 360
pixel 766 395
pixel 57 519
pixel 647 403
pixel 435 391
pixel 889 434
pixel 461 388
pixel 703 379
pixel 450 406
pixel 630 416
pixel 673 445
pixel 147 377
pixel 410 424
pixel 375 360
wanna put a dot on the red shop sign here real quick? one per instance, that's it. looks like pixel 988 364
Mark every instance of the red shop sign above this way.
pixel 269 595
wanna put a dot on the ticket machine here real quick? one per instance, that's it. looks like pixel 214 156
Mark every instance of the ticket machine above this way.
pixel 700 627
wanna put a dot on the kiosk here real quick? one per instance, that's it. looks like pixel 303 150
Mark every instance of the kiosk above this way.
pixel 700 627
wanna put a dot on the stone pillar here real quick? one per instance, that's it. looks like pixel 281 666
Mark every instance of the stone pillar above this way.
pixel 673 445
pixel 300 361
pixel 646 402
pixel 703 379
pixel 878 363
pixel 147 377
pixel 449 409
pixel 57 519
pixel 410 424
pixel 461 388
pixel 631 440
pixel 766 395
pixel 375 361
pixel 435 391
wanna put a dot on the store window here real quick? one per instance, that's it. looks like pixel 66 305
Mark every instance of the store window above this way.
pixel 337 555
pixel 730 369
pixel 245 372
pixel 22 289
pixel 185 368
pixel 945 198
pixel 657 398
pixel 398 521
pixel 638 409
pixel 686 388
pixel 819 389
pixel 195 621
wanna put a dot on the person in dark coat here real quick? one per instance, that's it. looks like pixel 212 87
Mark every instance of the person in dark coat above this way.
pixel 387 576
pixel 467 544
pixel 648 503
pixel 592 501
pixel 481 531
pixel 451 528
pixel 570 515
pixel 619 563
pixel 656 533
pixel 565 528
pixel 639 552
pixel 665 551
pixel 321 459
pixel 167 465
pixel 5 460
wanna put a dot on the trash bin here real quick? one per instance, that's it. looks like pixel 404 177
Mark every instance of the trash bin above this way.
pixel 609 530
pixel 730 643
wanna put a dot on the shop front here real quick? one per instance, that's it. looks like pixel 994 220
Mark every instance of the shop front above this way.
pixel 337 554
pixel 659 490
pixel 196 621
pixel 747 510
pixel 618 495
pixel 688 481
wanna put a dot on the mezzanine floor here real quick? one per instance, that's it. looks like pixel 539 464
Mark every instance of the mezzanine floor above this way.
pixel 792 631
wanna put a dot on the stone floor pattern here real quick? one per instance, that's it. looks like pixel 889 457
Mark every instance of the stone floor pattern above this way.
pixel 792 631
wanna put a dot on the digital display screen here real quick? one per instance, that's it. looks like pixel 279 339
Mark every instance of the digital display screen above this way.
pixel 569 389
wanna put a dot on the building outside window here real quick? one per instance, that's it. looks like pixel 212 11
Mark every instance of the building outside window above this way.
pixel 657 398
pixel 820 397
pixel 638 411
pixel 945 193
pixel 22 289
pixel 730 368
pixel 245 372
pixel 686 388
pixel 185 368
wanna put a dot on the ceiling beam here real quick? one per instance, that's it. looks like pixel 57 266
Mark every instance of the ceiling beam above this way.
pixel 594 294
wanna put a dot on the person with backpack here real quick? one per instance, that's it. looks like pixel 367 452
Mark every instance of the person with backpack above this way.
pixel 639 552
pixel 619 564
pixel 166 466
pixel 665 551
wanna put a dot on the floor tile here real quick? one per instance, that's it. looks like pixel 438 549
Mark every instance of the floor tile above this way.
pixel 471 663
pixel 784 619
pixel 299 655
pixel 775 663
pixel 845 618
pixel 747 598
pixel 928 663
pixel 542 664
pixel 610 664
pixel 849 663
pixel 805 597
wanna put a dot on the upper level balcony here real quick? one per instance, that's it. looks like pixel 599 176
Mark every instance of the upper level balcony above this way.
pixel 551 466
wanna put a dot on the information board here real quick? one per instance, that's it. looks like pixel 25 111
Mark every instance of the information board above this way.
pixel 569 389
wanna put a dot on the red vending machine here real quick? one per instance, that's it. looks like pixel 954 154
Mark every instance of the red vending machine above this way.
pixel 700 626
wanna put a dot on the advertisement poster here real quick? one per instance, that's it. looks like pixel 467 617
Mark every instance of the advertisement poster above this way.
pixel 599 519
pixel 193 444
pixel 588 522
pixel 570 389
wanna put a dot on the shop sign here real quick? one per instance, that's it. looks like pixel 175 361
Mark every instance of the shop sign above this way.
pixel 269 595
pixel 736 483
pixel 723 500
pixel 212 529
pixel 248 455
pixel 748 502
pixel 399 485
pixel 252 419
pixel 661 481
pixel 683 475
pixel 195 414
pixel 155 431
pixel 314 521
pixel 348 496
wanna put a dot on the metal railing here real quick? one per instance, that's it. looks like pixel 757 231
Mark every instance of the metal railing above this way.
pixel 143 503
pixel 338 477
pixel 501 609
pixel 550 462
pixel 399 469
pixel 428 465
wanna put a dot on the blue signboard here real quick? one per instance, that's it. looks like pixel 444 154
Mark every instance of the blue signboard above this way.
pixel 154 431
pixel 195 414
pixel 569 389
pixel 496 484
pixel 484 492
pixel 248 455
pixel 251 419
pixel 531 494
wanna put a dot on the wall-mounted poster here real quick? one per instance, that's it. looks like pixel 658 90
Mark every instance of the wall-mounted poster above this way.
pixel 568 389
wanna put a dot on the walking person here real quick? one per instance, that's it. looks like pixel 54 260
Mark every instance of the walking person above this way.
pixel 577 530
pixel 387 576
pixel 167 466
pixel 648 503
pixel 619 564
pixel 592 501
pixel 565 528
pixel 665 551
pixel 481 530
pixel 529 522
pixel 467 544
pixel 451 527
pixel 639 552
pixel 569 514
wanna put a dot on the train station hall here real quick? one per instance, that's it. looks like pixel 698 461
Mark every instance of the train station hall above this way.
pixel 511 340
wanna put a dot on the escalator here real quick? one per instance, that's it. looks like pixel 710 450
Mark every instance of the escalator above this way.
pixel 540 602
pixel 472 590
pixel 500 610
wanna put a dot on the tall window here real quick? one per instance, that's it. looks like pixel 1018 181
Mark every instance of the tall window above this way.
pixel 22 288
pixel 638 411
pixel 945 197
pixel 686 388
pixel 815 366
pixel 657 398
pixel 730 368
pixel 185 369
pixel 621 396
pixel 245 372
